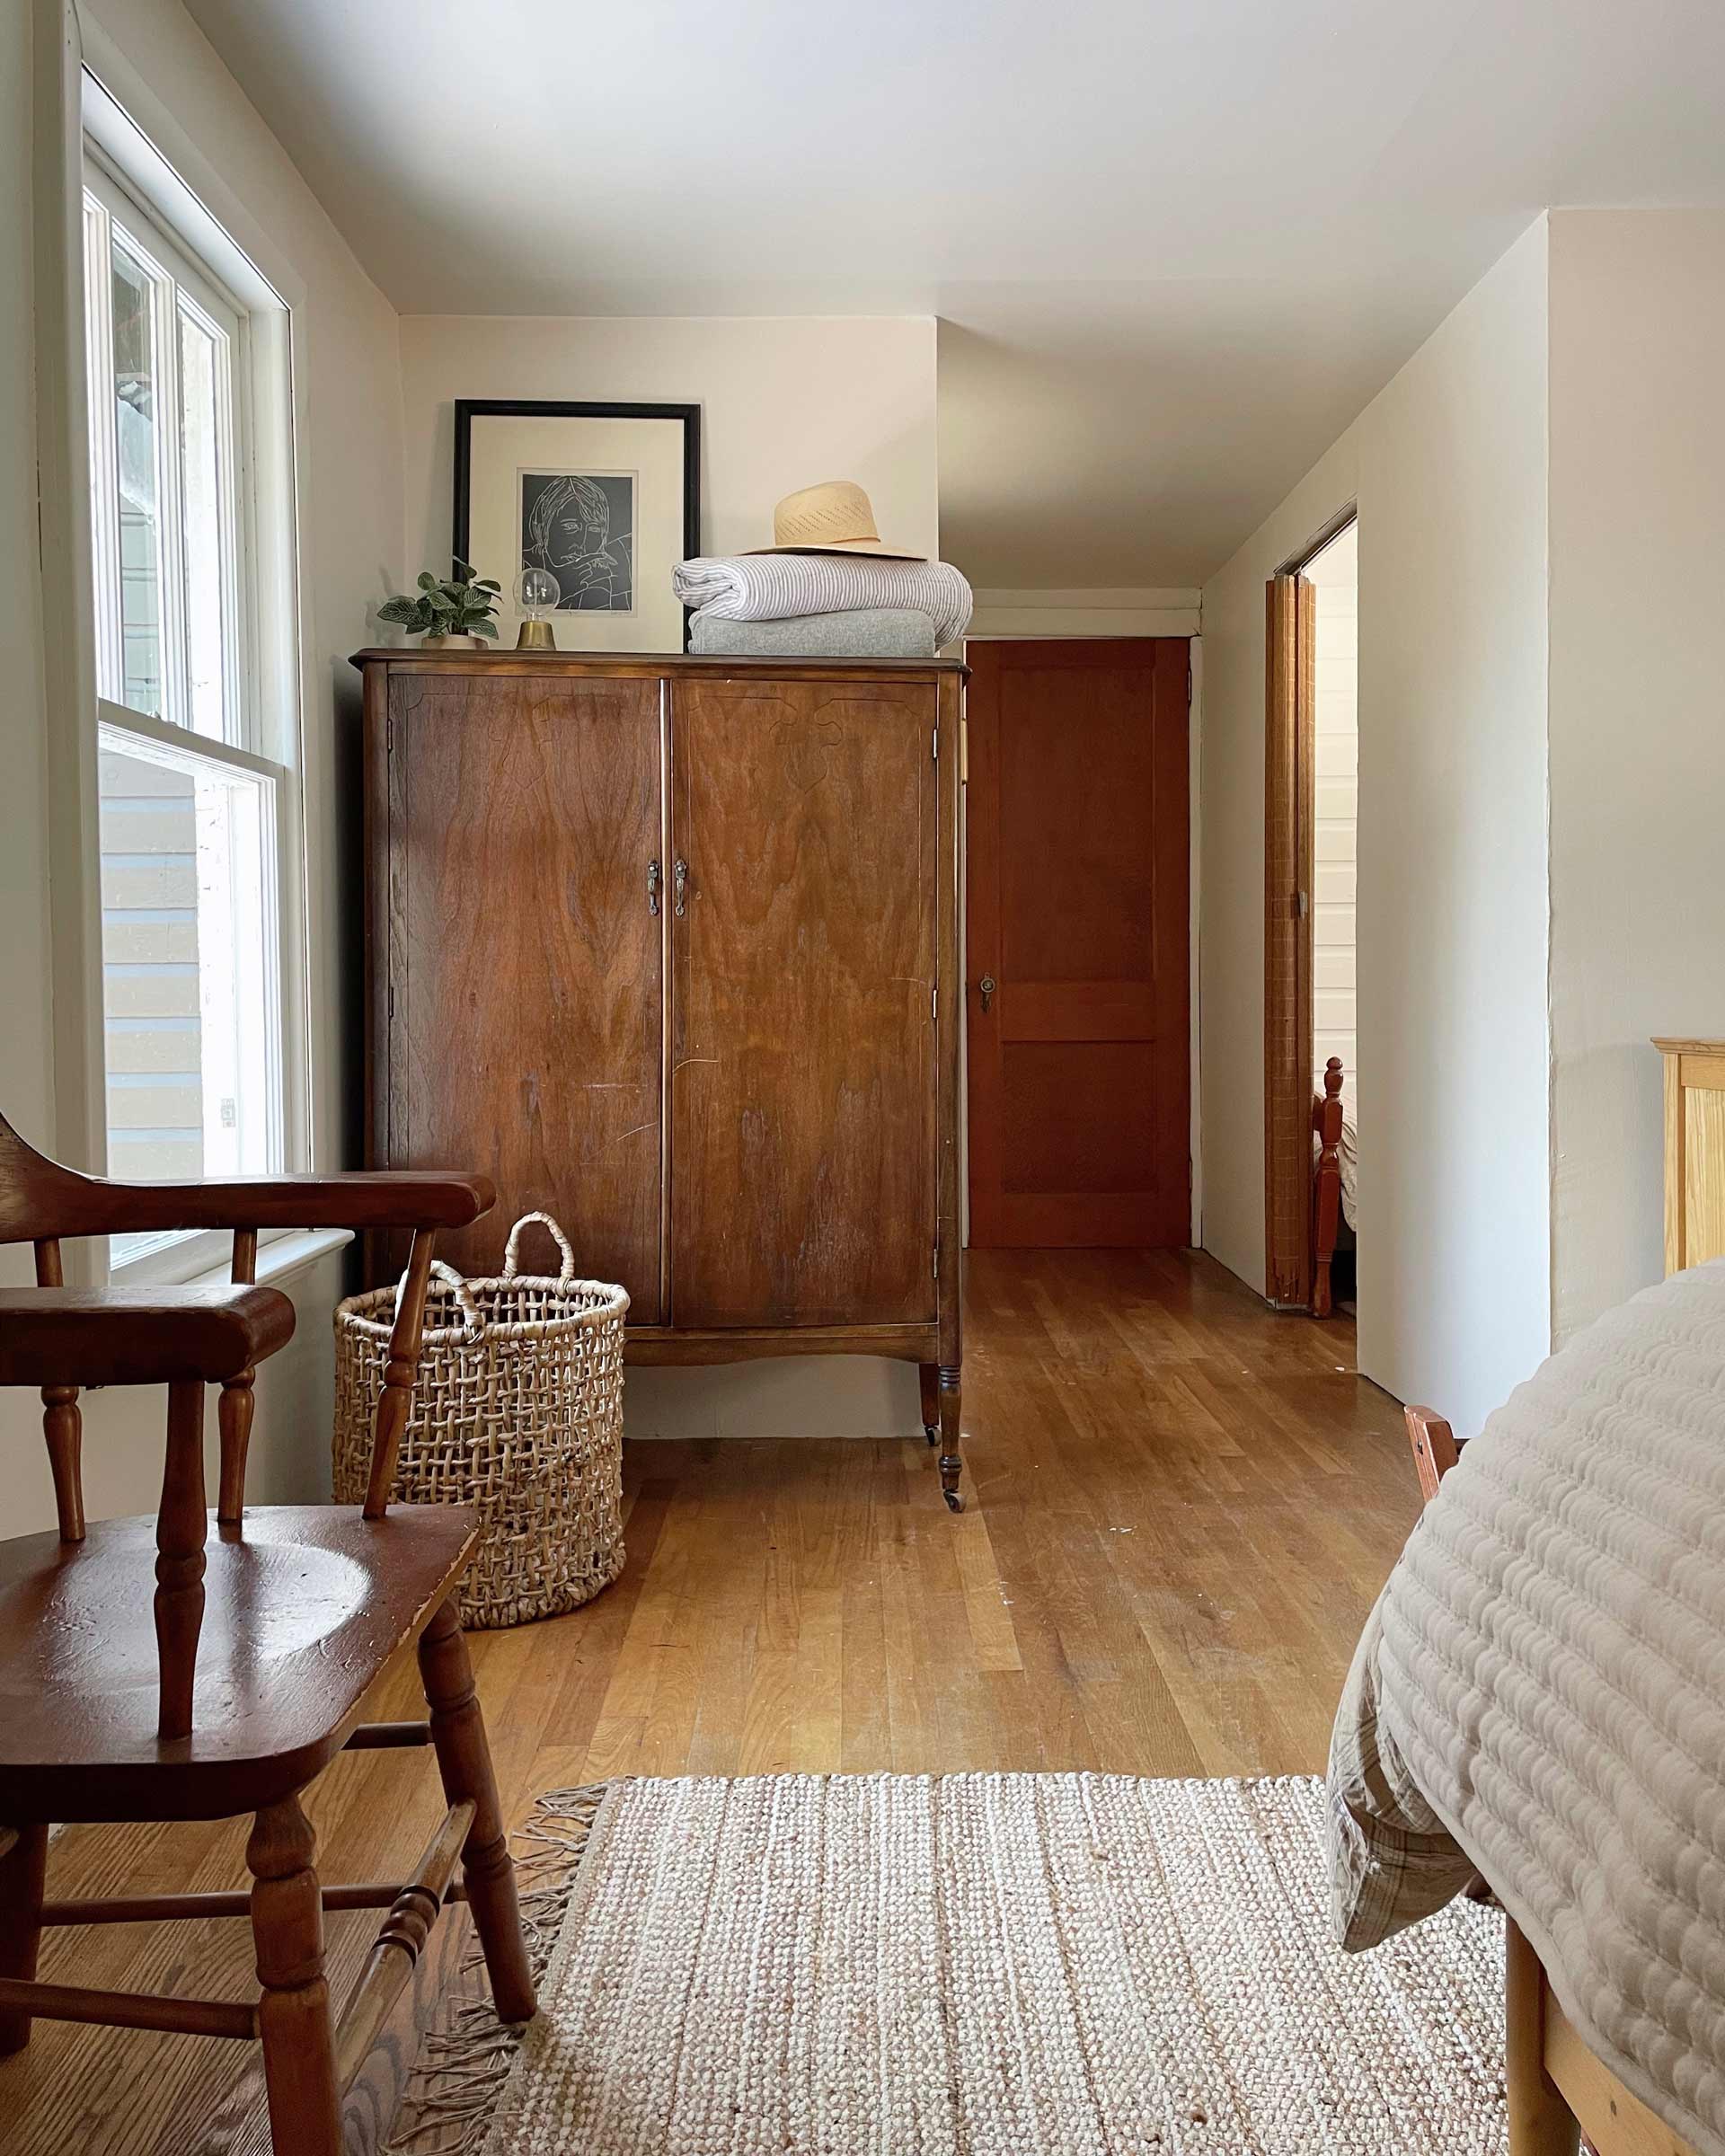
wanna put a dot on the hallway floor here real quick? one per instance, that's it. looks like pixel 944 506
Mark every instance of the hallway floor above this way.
pixel 1180 1509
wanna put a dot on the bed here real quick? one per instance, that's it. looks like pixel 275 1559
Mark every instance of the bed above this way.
pixel 1558 2090
pixel 1538 1699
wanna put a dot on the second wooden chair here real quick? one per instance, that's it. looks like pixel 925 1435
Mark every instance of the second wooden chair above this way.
pixel 155 1671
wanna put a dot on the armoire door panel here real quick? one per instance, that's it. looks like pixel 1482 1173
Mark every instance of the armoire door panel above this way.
pixel 803 1099
pixel 526 1033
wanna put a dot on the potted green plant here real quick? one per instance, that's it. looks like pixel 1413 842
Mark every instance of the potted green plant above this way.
pixel 449 612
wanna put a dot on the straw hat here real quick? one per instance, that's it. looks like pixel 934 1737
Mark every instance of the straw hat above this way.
pixel 835 517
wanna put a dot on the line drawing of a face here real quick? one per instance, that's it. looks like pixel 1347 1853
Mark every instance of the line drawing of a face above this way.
pixel 569 533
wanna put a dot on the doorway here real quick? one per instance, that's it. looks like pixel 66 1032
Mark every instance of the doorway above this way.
pixel 1077 940
pixel 1311 809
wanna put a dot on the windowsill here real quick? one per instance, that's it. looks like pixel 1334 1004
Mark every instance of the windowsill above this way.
pixel 283 1259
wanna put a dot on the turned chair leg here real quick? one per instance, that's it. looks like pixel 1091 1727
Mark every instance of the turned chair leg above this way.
pixel 234 1414
pixel 294 2018
pixel 464 1762
pixel 952 1465
pixel 63 1427
pixel 23 1869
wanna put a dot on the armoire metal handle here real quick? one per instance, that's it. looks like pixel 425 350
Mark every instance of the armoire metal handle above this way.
pixel 680 887
pixel 655 877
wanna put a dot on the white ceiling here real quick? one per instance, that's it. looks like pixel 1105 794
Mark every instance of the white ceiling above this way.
pixel 1175 244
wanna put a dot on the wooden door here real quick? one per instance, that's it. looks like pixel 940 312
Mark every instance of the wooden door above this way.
pixel 526 1037
pixel 803 1095
pixel 1076 894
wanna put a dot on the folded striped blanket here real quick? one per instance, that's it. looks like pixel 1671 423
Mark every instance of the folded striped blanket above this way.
pixel 863 633
pixel 771 588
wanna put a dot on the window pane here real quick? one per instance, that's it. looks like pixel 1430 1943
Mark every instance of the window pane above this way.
pixel 203 358
pixel 138 462
pixel 187 967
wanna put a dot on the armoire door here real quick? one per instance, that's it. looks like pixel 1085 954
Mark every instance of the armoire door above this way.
pixel 803 1089
pixel 526 1033
pixel 1078 943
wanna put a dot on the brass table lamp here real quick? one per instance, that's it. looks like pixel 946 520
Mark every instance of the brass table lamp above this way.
pixel 537 592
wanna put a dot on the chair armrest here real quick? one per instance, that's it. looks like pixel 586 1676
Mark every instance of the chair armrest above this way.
pixel 137 1336
pixel 410 1199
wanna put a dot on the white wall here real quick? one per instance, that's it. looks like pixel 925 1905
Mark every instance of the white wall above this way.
pixel 1230 884
pixel 784 403
pixel 1637 718
pixel 346 372
pixel 1131 612
pixel 1449 467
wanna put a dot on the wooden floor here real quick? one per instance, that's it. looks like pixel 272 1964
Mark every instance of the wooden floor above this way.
pixel 1181 1509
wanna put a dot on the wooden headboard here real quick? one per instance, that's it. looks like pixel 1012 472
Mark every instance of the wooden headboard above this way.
pixel 1695 1151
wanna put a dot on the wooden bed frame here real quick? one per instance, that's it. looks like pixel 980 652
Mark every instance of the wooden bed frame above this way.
pixel 1326 1185
pixel 1558 2090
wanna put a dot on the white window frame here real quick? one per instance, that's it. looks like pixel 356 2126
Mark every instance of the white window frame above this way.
pixel 108 205
pixel 165 226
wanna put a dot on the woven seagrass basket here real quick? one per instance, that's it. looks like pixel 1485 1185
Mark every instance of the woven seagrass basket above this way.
pixel 518 1410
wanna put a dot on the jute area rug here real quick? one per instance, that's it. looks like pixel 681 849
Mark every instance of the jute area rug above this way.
pixel 969 1965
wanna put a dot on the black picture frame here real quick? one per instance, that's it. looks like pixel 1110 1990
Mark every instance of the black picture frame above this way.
pixel 686 416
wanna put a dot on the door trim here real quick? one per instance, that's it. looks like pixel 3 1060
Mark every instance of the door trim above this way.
pixel 1290 741
pixel 1290 815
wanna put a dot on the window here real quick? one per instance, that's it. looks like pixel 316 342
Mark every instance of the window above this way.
pixel 195 784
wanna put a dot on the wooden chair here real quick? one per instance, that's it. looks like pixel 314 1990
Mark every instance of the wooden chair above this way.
pixel 266 1633
pixel 1558 2090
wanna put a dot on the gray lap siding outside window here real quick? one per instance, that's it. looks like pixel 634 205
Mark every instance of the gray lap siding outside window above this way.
pixel 150 980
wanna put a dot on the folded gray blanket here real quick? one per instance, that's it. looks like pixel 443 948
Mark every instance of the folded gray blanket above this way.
pixel 868 632
pixel 771 588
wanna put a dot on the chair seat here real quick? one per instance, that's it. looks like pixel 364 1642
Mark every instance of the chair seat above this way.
pixel 304 1606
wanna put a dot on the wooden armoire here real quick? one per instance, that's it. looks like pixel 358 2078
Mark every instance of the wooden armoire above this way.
pixel 669 947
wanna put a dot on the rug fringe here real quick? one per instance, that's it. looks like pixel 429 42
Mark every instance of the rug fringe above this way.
pixel 450 2104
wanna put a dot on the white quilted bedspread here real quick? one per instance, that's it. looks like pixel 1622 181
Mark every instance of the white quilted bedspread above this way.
pixel 1540 1691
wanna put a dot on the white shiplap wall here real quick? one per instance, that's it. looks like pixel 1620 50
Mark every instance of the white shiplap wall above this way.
pixel 1336 574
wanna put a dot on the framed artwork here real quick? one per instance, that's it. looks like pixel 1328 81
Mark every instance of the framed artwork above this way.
pixel 605 496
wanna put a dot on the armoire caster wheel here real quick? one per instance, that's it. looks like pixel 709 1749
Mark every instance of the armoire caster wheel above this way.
pixel 954 1501
pixel 932 1431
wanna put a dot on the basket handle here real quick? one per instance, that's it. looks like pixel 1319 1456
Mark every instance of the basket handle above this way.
pixel 558 1237
pixel 473 1324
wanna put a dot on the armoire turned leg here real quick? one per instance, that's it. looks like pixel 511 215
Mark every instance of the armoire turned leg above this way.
pixel 23 1869
pixel 464 1762
pixel 929 1374
pixel 294 2019
pixel 952 1465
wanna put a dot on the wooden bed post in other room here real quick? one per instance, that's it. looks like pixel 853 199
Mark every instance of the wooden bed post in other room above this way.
pixel 1326 1185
